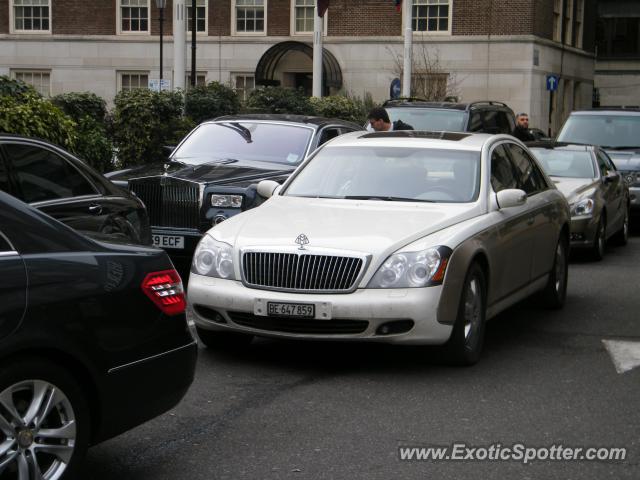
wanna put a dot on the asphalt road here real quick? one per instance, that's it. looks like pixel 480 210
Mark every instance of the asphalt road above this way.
pixel 281 410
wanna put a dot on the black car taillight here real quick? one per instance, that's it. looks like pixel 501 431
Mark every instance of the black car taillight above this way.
pixel 165 290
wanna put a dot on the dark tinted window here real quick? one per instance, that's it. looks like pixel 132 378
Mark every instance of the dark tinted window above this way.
pixel 327 134
pixel 4 178
pixel 43 175
pixel 4 245
pixel 502 174
pixel 529 177
pixel 475 124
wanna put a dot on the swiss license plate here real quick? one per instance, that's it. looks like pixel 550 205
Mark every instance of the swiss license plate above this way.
pixel 306 310
pixel 168 241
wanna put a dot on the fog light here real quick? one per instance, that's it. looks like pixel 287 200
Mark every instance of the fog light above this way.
pixel 395 327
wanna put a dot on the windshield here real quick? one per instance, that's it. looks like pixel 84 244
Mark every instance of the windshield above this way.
pixel 430 119
pixel 390 173
pixel 611 131
pixel 565 163
pixel 265 142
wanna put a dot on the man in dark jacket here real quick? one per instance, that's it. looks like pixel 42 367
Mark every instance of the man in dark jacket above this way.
pixel 379 121
pixel 521 132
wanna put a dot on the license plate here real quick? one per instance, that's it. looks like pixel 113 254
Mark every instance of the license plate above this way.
pixel 305 310
pixel 168 241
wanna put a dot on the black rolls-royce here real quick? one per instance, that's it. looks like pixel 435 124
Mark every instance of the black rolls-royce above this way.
pixel 211 175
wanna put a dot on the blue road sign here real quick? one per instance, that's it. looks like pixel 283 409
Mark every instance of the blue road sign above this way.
pixel 552 82
pixel 394 89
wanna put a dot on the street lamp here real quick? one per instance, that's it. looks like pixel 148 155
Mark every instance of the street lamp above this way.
pixel 161 4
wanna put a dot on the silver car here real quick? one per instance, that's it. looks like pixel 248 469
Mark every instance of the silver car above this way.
pixel 597 193
pixel 400 237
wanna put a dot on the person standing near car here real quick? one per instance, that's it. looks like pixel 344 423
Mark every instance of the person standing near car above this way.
pixel 521 132
pixel 379 121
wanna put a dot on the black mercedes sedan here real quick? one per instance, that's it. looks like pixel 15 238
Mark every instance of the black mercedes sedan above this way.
pixel 211 175
pixel 93 341
pixel 64 187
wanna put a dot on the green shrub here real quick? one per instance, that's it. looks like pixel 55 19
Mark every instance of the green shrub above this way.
pixel 145 121
pixel 79 105
pixel 94 145
pixel 337 106
pixel 15 88
pixel 279 100
pixel 213 100
pixel 33 116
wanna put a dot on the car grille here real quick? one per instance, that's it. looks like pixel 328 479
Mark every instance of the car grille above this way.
pixel 299 325
pixel 301 272
pixel 170 202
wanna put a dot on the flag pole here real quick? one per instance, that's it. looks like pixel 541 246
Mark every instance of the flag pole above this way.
pixel 316 89
pixel 408 41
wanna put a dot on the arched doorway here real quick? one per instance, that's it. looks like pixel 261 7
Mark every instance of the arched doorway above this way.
pixel 290 64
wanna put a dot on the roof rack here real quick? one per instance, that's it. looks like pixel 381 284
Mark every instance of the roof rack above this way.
pixel 488 102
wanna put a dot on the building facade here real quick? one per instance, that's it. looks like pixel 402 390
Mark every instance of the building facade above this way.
pixel 470 49
pixel 617 75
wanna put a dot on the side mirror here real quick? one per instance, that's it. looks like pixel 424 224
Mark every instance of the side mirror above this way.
pixel 511 197
pixel 267 188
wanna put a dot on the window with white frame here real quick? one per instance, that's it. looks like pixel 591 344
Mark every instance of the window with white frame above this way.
pixel 133 80
pixel 134 16
pixel 31 15
pixel 244 84
pixel 201 16
pixel 431 15
pixel 303 14
pixel 201 79
pixel 39 79
pixel 250 16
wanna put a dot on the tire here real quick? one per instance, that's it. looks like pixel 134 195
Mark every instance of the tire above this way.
pixel 621 237
pixel 223 340
pixel 467 338
pixel 29 423
pixel 600 240
pixel 555 292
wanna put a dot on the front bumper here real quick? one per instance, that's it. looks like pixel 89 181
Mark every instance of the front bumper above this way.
pixel 583 231
pixel 374 307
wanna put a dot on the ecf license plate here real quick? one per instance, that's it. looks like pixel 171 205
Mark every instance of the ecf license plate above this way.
pixel 304 310
pixel 168 241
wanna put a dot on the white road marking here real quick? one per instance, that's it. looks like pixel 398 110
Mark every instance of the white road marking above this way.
pixel 625 354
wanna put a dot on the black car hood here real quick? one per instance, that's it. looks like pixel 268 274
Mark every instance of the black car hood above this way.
pixel 625 160
pixel 217 172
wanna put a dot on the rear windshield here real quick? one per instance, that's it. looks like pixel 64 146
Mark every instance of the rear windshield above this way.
pixel 608 131
pixel 431 119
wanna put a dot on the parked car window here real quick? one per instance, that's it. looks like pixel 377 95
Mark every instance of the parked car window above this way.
pixel 429 119
pixel 266 142
pixel 605 130
pixel 5 246
pixel 475 125
pixel 605 164
pixel 327 134
pixel 4 177
pixel 43 175
pixel 565 163
pixel 502 174
pixel 529 177
pixel 504 125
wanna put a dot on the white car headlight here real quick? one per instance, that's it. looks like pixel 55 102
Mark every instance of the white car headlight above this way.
pixel 233 201
pixel 583 207
pixel 412 269
pixel 213 259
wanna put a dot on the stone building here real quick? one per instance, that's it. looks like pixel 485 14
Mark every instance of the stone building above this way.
pixel 476 49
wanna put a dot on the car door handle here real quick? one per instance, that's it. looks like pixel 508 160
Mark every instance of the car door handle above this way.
pixel 95 209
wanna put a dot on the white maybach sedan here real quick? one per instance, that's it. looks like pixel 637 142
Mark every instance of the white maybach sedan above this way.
pixel 398 237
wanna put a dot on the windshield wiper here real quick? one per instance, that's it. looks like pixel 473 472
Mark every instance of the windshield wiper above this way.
pixel 622 147
pixel 385 198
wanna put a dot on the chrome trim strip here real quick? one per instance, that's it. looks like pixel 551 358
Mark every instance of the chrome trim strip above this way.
pixel 115 369
pixel 10 253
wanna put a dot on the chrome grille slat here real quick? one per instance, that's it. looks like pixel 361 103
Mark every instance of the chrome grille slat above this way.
pixel 170 202
pixel 301 271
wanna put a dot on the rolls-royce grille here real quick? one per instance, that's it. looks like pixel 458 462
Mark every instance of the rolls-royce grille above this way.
pixel 170 202
pixel 292 271
pixel 299 325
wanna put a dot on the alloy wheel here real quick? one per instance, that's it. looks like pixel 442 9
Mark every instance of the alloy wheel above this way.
pixel 561 268
pixel 37 431
pixel 472 312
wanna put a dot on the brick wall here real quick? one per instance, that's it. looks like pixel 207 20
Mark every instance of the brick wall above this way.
pixel 543 19
pixel 219 17
pixel 364 18
pixel 278 17
pixel 495 17
pixel 76 17
pixel 4 16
